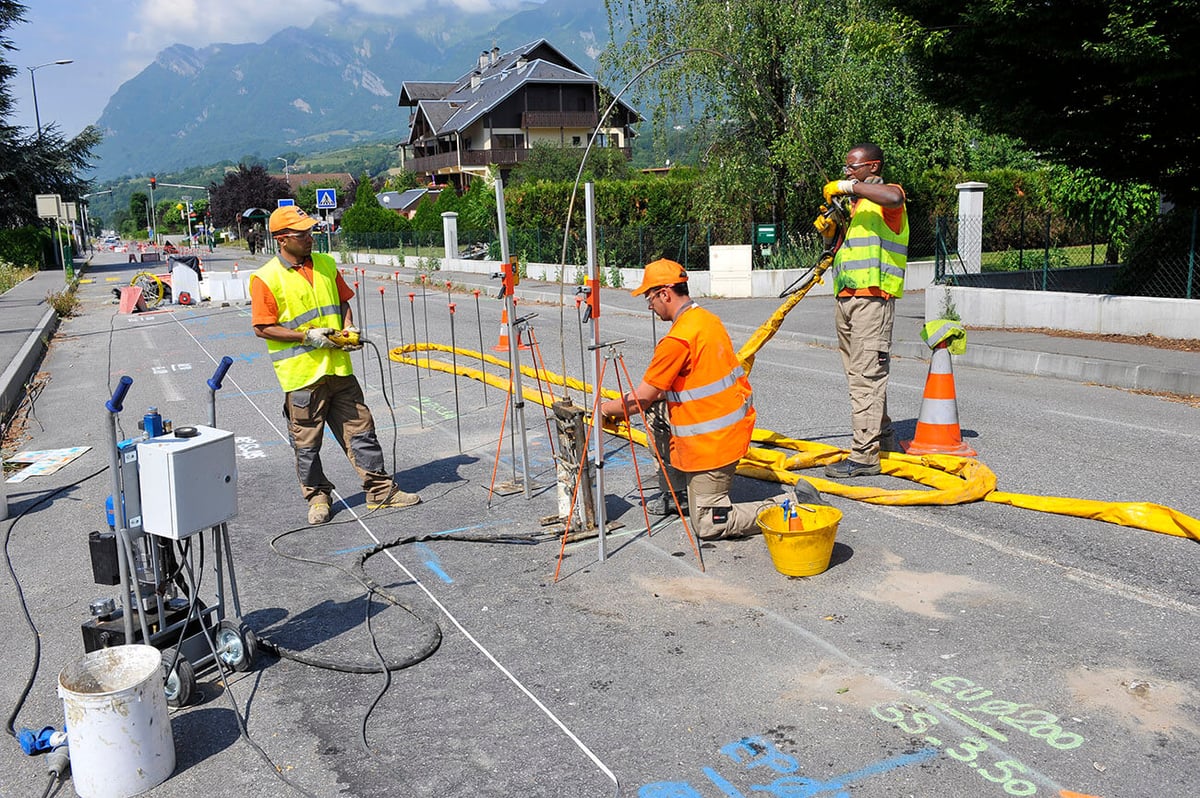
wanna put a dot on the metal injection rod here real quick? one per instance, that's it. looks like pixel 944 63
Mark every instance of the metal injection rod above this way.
pixel 514 362
pixel 387 345
pixel 589 194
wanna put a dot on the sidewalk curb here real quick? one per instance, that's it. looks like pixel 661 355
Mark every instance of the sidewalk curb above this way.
pixel 24 365
pixel 1113 374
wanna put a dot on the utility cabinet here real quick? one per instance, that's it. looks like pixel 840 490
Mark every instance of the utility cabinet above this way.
pixel 188 481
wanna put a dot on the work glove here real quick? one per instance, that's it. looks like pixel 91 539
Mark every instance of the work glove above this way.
pixel 835 188
pixel 825 224
pixel 318 337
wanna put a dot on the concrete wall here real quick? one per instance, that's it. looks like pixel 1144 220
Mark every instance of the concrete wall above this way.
pixel 1057 310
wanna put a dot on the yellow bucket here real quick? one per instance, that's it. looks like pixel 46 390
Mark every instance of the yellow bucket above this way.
pixel 804 551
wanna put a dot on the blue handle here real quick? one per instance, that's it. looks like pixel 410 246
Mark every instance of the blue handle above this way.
pixel 117 403
pixel 214 382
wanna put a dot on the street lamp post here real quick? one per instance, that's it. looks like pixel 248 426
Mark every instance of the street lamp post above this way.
pixel 285 169
pixel 33 83
pixel 83 204
pixel 207 199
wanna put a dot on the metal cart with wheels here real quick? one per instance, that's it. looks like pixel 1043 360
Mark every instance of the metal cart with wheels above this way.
pixel 174 490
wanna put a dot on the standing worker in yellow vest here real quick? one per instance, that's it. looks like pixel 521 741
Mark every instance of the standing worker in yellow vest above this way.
pixel 709 403
pixel 298 300
pixel 868 279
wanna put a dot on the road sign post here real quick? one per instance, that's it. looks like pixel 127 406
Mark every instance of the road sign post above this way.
pixel 326 202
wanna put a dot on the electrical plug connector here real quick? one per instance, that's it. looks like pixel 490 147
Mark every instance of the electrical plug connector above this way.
pixel 58 762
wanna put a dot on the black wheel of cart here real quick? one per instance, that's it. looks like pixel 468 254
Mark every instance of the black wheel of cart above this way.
pixel 181 681
pixel 236 644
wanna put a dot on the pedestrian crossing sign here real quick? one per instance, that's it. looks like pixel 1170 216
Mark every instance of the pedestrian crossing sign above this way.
pixel 326 198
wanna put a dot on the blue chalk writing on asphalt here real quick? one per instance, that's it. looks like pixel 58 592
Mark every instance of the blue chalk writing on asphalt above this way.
pixel 755 752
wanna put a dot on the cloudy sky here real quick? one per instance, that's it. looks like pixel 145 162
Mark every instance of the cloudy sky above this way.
pixel 110 41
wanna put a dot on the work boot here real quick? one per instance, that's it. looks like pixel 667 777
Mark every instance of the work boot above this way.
pixel 318 512
pixel 805 493
pixel 396 499
pixel 847 469
pixel 661 504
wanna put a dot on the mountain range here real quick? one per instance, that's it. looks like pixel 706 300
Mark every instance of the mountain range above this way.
pixel 333 84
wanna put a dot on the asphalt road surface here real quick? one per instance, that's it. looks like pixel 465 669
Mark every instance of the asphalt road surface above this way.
pixel 970 650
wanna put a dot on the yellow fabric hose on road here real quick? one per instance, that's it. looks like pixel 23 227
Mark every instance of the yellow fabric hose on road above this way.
pixel 949 480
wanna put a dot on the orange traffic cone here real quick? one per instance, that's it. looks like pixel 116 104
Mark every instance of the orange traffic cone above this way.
pixel 502 346
pixel 937 426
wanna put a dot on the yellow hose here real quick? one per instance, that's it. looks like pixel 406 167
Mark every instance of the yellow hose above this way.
pixel 947 480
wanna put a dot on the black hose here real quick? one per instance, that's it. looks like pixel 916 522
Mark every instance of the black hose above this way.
pixel 37 644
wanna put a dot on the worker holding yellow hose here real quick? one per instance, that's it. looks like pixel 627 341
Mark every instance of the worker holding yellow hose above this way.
pixel 868 278
pixel 710 404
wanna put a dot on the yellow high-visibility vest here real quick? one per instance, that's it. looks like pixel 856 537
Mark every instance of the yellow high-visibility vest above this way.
pixel 872 255
pixel 301 307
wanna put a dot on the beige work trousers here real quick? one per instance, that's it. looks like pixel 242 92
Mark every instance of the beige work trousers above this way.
pixel 711 512
pixel 864 331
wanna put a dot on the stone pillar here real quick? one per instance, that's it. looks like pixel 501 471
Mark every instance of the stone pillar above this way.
pixel 450 233
pixel 970 225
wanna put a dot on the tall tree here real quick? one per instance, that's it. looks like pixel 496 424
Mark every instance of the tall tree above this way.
pixel 782 90
pixel 366 215
pixel 248 187
pixel 33 162
pixel 1105 85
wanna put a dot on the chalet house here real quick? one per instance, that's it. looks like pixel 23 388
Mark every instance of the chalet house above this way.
pixel 494 114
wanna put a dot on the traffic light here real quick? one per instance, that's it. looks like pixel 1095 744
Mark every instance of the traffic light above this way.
pixel 153 182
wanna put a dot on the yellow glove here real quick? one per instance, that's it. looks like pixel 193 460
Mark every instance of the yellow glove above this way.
pixel 825 225
pixel 836 188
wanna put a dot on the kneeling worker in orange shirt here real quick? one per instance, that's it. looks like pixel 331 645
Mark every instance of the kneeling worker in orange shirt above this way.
pixel 709 402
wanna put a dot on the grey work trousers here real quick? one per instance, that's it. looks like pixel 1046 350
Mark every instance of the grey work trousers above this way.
pixel 864 331
pixel 659 431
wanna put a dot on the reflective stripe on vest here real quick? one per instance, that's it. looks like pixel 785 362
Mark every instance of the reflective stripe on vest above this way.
pixel 711 406
pixel 716 424
pixel 873 255
pixel 301 307
pixel 705 391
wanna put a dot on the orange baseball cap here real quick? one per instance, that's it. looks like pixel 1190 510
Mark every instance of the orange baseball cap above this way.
pixel 290 217
pixel 661 272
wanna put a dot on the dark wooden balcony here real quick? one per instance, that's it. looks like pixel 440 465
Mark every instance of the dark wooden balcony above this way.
pixel 556 119
pixel 449 160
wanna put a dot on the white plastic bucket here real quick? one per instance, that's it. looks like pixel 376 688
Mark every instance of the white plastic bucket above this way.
pixel 117 724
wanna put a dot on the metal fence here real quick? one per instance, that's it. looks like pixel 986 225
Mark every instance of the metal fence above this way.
pixel 616 247
pixel 1049 255
pixel 1040 253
